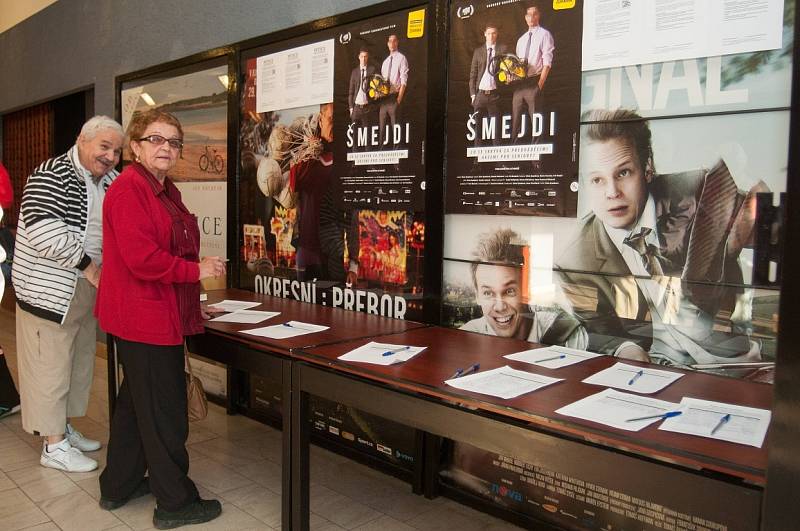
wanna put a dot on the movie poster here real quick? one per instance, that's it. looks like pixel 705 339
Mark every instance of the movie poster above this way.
pixel 574 266
pixel 337 201
pixel 380 111
pixel 699 163
pixel 200 102
pixel 514 76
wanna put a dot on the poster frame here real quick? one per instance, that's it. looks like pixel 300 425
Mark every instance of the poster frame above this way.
pixel 224 55
pixel 437 28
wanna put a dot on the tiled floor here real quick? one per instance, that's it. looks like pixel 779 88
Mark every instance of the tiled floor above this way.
pixel 234 459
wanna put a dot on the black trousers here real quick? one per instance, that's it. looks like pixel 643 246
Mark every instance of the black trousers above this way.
pixel 487 105
pixel 8 393
pixel 150 427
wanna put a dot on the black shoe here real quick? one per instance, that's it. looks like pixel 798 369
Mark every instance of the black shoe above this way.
pixel 141 490
pixel 197 512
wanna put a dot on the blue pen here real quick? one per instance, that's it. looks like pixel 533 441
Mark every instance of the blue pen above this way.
pixel 472 369
pixel 456 374
pixel 667 415
pixel 561 357
pixel 724 420
pixel 395 351
pixel 635 377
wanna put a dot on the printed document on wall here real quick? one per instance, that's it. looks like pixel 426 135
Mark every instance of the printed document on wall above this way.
pixel 295 78
pixel 626 32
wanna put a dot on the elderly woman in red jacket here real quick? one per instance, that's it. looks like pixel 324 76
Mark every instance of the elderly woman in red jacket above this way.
pixel 149 299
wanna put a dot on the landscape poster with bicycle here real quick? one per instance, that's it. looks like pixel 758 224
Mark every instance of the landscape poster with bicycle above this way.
pixel 200 101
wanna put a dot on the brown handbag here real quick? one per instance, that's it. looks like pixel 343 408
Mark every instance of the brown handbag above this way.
pixel 195 394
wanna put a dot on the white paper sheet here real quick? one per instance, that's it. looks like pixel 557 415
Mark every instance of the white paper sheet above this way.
pixel 245 316
pixel 746 425
pixel 382 353
pixel 633 378
pixel 617 33
pixel 553 357
pixel 618 410
pixel 285 330
pixel 231 305
pixel 503 382
pixel 297 77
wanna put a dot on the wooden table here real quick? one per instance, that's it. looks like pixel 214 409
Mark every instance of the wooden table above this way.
pixel 713 479
pixel 223 343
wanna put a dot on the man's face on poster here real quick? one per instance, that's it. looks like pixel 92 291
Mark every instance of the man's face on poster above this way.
pixel 498 293
pixel 491 36
pixel 363 58
pixel 392 43
pixel 532 17
pixel 616 182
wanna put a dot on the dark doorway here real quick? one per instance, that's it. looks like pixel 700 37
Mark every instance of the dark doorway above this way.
pixel 37 133
pixel 69 114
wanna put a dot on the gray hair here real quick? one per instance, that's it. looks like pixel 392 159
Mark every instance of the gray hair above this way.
pixel 98 123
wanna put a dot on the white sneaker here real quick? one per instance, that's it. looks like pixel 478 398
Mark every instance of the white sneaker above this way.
pixel 63 456
pixel 77 440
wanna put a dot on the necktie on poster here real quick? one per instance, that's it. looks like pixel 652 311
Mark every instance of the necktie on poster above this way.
pixel 619 410
pixel 651 256
pixel 633 378
pixel 718 420
pixel 528 47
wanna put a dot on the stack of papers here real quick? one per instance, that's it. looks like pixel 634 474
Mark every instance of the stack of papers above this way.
pixel 286 330
pixel 633 378
pixel 382 353
pixel 503 382
pixel 553 357
pixel 726 422
pixel 619 410
pixel 245 316
pixel 232 306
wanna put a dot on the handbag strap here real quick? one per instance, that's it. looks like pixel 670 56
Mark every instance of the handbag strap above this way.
pixel 187 364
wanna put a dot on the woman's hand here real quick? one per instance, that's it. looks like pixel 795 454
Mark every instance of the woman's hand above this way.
pixel 209 311
pixel 211 266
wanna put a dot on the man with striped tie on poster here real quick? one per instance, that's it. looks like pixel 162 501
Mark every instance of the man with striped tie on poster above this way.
pixel 656 261
pixel 361 111
pixel 395 70
pixel 482 85
pixel 535 48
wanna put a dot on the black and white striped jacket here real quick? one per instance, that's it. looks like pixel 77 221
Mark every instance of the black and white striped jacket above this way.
pixel 50 235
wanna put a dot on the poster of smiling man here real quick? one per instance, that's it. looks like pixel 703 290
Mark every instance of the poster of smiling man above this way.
pixel 513 108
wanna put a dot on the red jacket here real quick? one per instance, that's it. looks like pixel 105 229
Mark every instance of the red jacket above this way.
pixel 136 300
pixel 6 190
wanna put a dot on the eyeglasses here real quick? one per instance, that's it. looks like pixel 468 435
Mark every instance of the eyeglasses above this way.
pixel 157 140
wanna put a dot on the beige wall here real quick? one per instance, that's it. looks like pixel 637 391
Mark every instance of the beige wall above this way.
pixel 12 12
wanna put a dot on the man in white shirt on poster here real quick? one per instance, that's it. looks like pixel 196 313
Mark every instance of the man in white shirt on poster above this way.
pixel 535 48
pixel 395 70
